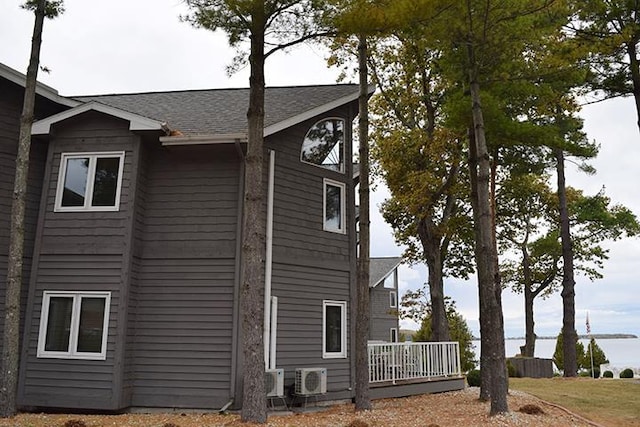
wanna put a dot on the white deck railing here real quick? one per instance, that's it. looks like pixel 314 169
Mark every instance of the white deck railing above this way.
pixel 413 360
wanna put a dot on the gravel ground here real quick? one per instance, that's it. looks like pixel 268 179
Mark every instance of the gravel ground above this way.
pixel 458 408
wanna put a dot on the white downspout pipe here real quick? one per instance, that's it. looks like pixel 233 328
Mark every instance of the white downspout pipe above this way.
pixel 266 335
pixel 274 333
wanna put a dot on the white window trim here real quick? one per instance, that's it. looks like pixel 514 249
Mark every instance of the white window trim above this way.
pixel 344 144
pixel 343 323
pixel 75 319
pixel 393 299
pixel 93 156
pixel 343 192
pixel 393 331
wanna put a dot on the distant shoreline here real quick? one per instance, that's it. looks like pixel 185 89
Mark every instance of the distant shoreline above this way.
pixel 584 337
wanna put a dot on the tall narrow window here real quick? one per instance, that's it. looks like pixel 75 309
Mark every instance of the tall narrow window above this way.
pixel 73 325
pixel 334 332
pixel 334 206
pixel 89 181
pixel 393 299
pixel 323 145
pixel 393 335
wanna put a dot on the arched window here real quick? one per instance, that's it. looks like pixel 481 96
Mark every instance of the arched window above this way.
pixel 324 145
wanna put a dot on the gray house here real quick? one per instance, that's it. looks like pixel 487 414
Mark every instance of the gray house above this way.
pixel 384 300
pixel 133 243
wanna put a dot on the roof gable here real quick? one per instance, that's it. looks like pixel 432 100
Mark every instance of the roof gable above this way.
pixel 136 122
pixel 379 269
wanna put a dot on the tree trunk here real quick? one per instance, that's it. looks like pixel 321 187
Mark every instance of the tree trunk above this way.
pixel 568 282
pixel 489 286
pixel 254 407
pixel 485 372
pixel 363 400
pixel 432 255
pixel 11 338
pixel 529 296
pixel 635 76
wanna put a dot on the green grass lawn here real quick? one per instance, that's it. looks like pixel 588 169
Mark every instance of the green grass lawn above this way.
pixel 610 402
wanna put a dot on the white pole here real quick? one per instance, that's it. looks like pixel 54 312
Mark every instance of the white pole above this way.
pixel 274 332
pixel 266 333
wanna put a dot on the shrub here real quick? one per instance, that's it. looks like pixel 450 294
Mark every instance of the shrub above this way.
pixel 596 373
pixel 473 378
pixel 584 374
pixel 607 374
pixel 511 370
pixel 627 373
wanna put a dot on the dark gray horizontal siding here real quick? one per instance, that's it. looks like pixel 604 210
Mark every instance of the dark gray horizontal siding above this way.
pixel 90 231
pixel 301 291
pixel 182 351
pixel 70 382
pixel 382 316
pixel 190 203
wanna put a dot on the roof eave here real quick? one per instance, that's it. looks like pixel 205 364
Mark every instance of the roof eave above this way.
pixel 299 118
pixel 41 89
pixel 222 138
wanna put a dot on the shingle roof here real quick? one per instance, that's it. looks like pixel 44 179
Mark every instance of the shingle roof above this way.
pixel 379 268
pixel 222 111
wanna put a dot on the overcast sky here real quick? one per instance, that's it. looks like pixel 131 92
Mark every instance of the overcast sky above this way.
pixel 116 46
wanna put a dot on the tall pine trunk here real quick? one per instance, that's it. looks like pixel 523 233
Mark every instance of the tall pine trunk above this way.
pixel 254 408
pixel 11 338
pixel 433 258
pixel 568 281
pixel 363 400
pixel 489 287
pixel 529 296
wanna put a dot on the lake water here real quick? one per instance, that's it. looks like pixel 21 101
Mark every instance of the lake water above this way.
pixel 621 352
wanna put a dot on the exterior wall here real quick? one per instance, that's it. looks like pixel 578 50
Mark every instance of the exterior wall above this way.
pixel 310 265
pixel 383 317
pixel 10 109
pixel 182 333
pixel 81 251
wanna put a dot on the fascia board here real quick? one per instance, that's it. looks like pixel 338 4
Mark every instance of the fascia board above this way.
pixel 136 122
pixel 294 120
pixel 41 89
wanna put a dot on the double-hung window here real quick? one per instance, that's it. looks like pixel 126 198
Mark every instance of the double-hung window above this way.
pixel 89 181
pixel 334 329
pixel 334 206
pixel 393 299
pixel 74 325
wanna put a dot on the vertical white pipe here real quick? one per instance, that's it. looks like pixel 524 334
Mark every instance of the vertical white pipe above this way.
pixel 266 335
pixel 274 332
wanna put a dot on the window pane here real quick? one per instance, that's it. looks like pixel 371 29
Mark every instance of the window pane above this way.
pixel 75 182
pixel 90 329
pixel 106 181
pixel 59 324
pixel 333 334
pixel 324 145
pixel 333 208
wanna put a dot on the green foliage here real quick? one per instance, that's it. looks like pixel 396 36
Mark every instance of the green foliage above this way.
pixel 558 354
pixel 627 373
pixel 459 331
pixel 473 378
pixel 607 374
pixel 279 23
pixel 583 356
pixel 599 358
pixel 596 372
pixel 52 8
pixel 511 370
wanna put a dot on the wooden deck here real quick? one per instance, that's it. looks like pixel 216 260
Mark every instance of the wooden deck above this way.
pixel 404 388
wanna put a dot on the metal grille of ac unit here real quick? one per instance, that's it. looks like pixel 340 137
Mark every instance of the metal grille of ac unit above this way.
pixel 311 381
pixel 274 382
